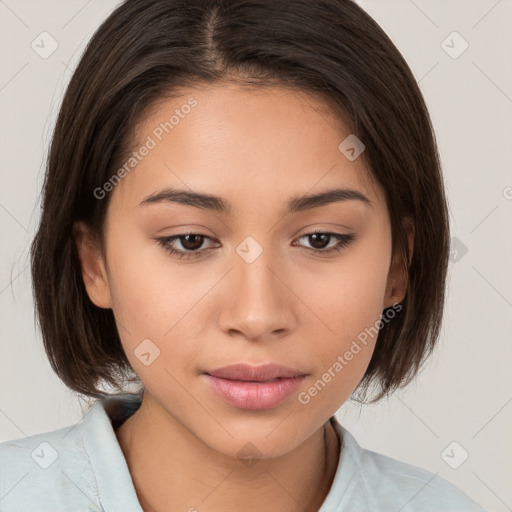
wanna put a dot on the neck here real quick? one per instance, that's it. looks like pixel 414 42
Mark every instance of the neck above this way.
pixel 173 470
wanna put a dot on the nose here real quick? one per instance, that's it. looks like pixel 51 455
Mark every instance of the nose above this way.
pixel 257 303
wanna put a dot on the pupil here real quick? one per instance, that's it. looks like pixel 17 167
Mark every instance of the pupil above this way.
pixel 316 237
pixel 192 246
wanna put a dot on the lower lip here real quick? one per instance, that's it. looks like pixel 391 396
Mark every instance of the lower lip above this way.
pixel 254 395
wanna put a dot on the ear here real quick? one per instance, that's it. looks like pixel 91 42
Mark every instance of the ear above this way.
pixel 93 266
pixel 398 277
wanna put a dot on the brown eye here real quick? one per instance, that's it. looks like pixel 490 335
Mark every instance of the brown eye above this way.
pixel 190 243
pixel 320 240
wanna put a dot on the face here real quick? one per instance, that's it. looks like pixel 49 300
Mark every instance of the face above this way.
pixel 250 283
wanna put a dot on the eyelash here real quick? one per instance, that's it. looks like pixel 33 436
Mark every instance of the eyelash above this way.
pixel 343 241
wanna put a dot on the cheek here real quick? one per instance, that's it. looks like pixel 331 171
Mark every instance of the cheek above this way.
pixel 348 298
pixel 151 295
pixel 348 295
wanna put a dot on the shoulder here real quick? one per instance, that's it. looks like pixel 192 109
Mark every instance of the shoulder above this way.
pixel 48 471
pixel 415 488
pixel 379 482
pixel 80 467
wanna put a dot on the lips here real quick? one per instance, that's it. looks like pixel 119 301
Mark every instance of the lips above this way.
pixel 254 387
pixel 248 373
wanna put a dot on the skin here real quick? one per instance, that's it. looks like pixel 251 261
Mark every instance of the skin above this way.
pixel 256 148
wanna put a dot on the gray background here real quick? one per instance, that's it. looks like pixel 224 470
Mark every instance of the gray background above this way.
pixel 465 393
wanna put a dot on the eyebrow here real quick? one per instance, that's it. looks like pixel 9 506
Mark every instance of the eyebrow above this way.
pixel 220 205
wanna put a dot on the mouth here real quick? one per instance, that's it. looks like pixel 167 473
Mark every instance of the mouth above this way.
pixel 254 387
pixel 248 373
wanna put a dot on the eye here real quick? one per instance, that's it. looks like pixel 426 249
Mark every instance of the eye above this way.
pixel 191 243
pixel 320 239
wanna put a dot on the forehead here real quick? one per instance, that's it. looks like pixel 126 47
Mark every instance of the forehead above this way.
pixel 253 146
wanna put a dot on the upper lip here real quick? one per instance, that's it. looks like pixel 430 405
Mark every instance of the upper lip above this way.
pixel 255 373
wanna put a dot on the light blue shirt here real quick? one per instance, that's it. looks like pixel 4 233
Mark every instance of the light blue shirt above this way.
pixel 82 468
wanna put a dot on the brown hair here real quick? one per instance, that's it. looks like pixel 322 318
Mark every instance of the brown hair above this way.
pixel 142 53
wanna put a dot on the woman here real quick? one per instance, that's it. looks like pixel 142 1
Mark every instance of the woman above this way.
pixel 243 213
